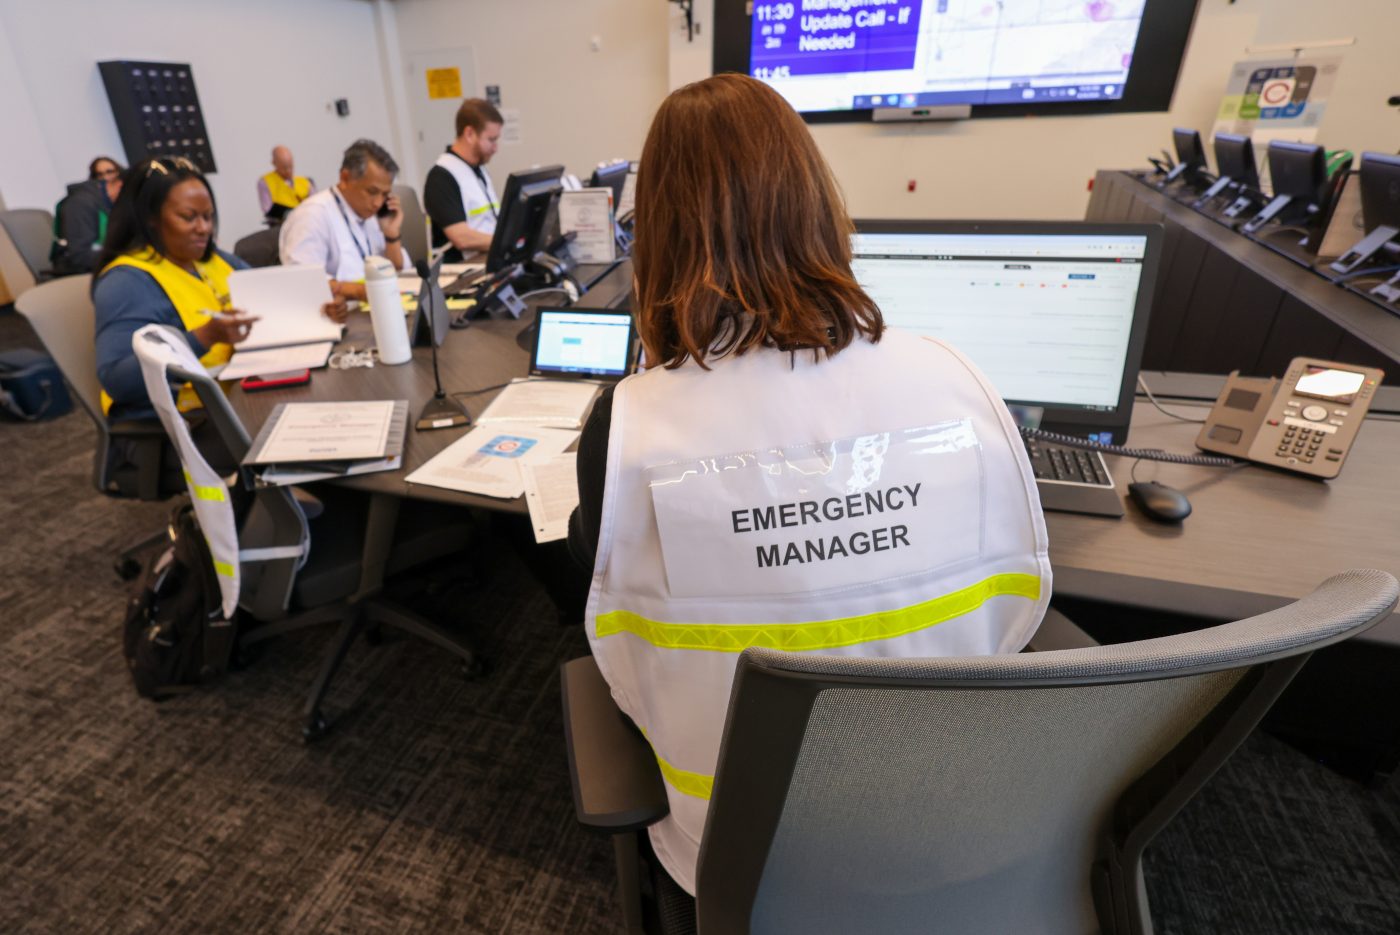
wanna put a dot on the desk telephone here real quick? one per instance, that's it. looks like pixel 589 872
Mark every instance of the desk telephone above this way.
pixel 1305 422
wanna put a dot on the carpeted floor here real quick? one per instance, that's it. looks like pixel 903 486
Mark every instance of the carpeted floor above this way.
pixel 439 804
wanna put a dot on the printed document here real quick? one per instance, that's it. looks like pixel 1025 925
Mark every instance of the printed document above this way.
pixel 587 214
pixel 276 360
pixel 551 491
pixel 328 432
pixel 287 301
pixel 558 403
pixel 487 459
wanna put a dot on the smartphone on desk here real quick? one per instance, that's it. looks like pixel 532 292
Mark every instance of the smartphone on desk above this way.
pixel 274 381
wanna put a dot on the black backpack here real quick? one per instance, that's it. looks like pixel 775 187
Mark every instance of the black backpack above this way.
pixel 31 388
pixel 175 636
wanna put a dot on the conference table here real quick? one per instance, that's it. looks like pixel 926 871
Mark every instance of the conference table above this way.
pixel 1256 540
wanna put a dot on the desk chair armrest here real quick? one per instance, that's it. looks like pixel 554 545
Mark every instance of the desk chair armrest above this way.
pixel 146 453
pixel 617 784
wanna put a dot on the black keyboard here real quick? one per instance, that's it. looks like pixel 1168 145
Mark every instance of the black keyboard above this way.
pixel 1059 464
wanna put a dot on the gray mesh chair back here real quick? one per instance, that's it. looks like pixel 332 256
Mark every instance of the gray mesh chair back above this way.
pixel 31 229
pixel 61 314
pixel 987 794
pixel 415 224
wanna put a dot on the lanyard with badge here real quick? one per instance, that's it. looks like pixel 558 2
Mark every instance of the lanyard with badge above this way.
pixel 364 255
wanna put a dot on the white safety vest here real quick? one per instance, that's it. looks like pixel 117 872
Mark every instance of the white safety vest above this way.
pixel 877 503
pixel 480 202
pixel 159 347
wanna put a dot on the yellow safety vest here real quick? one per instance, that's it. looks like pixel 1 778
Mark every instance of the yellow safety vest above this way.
pixel 288 196
pixel 193 298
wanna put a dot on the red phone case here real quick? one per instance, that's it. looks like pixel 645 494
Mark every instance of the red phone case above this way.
pixel 255 383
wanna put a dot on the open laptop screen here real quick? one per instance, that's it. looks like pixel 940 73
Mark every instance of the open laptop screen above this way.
pixel 583 343
pixel 1053 316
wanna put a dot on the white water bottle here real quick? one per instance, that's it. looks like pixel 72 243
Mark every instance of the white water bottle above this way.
pixel 386 311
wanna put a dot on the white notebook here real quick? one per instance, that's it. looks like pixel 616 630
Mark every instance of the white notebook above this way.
pixel 287 301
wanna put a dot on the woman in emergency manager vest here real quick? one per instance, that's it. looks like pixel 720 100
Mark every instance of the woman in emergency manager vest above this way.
pixel 789 473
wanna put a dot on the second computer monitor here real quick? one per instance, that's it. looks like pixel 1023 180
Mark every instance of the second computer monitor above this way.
pixel 613 176
pixel 1380 190
pixel 1298 170
pixel 1054 313
pixel 1234 157
pixel 526 212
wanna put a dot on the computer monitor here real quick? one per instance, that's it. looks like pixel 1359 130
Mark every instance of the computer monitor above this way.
pixel 1054 313
pixel 527 209
pixel 1190 157
pixel 1236 173
pixel 1298 172
pixel 1379 178
pixel 611 176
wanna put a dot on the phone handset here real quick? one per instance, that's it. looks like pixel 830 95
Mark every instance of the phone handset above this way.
pixel 1304 422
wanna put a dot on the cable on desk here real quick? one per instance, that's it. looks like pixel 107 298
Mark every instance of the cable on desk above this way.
pixel 1153 400
pixel 1123 451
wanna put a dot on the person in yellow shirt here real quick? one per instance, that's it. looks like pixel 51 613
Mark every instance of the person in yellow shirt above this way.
pixel 282 189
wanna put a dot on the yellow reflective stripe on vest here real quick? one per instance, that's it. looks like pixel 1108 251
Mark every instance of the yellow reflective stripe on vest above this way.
pixel 820 634
pixel 483 209
pixel 205 493
pixel 223 568
pixel 697 785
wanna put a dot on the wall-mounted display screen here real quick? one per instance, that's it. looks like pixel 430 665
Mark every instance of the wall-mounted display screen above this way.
pixel 850 57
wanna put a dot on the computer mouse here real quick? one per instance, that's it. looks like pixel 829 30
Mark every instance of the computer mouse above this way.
pixel 1160 502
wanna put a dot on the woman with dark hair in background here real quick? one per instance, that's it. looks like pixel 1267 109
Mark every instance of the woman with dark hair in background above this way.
pixel 80 218
pixel 789 473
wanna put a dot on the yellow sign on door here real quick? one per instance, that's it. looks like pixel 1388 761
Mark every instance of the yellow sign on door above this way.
pixel 443 83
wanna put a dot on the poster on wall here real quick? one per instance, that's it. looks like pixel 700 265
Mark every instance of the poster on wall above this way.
pixel 1282 99
pixel 1277 99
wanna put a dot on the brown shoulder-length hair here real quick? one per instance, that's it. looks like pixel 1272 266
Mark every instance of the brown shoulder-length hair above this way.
pixel 742 238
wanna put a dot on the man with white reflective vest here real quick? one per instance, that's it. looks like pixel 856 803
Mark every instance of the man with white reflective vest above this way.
pixel 458 195
pixel 789 473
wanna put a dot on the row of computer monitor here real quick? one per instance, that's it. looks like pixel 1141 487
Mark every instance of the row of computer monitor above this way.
pixel 527 219
pixel 1303 191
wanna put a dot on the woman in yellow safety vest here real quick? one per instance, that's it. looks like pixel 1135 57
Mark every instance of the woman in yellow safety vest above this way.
pixel 159 264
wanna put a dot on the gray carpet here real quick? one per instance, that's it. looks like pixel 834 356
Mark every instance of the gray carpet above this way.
pixel 439 804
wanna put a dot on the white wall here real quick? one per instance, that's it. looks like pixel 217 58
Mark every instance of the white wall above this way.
pixel 266 71
pixel 1040 167
pixel 578 107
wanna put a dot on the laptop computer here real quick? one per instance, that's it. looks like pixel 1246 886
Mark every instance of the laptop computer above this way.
pixel 1054 313
pixel 583 344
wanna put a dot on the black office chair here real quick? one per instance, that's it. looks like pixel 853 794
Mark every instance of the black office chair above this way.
pixel 259 249
pixel 325 586
pixel 61 314
pixel 984 794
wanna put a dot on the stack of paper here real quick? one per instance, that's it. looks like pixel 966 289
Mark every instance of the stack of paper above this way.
pixel 287 302
pixel 556 403
pixel 487 460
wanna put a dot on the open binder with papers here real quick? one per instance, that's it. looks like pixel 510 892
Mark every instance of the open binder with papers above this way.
pixel 302 442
